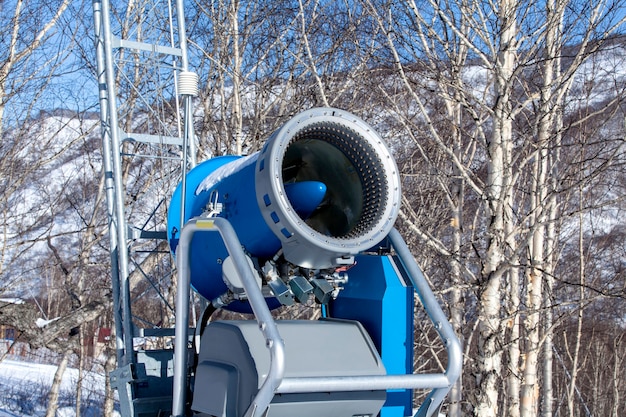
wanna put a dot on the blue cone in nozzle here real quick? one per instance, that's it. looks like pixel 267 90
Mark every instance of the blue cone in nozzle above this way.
pixel 234 178
pixel 305 196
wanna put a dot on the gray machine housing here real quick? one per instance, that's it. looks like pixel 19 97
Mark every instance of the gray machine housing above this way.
pixel 233 362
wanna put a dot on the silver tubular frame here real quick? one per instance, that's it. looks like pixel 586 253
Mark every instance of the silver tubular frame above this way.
pixel 275 383
pixel 262 313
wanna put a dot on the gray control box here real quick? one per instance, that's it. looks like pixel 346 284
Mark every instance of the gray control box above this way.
pixel 234 360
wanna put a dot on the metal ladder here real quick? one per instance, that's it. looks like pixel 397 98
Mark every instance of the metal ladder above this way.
pixel 145 97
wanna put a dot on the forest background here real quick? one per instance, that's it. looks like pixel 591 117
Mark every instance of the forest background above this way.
pixel 507 120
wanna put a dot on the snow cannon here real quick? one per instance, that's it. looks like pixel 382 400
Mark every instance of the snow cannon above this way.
pixel 323 188
pixel 308 219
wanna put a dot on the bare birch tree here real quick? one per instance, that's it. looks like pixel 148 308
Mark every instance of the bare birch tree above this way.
pixel 239 55
pixel 25 40
pixel 37 143
pixel 263 62
pixel 503 39
pixel 486 109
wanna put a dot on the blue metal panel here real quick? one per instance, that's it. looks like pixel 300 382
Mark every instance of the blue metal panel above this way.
pixel 377 296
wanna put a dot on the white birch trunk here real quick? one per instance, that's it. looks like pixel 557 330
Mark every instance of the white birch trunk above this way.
pixel 548 344
pixel 513 323
pixel 617 381
pixel 81 371
pixel 53 396
pixel 552 256
pixel 534 302
pixel 14 54
pixel 109 366
pixel 575 355
pixel 555 11
pixel 457 304
pixel 237 111
pixel 311 59
pixel 489 358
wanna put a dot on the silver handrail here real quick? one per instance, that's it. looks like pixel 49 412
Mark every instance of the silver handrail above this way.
pixel 431 405
pixel 274 382
pixel 439 382
pixel 259 307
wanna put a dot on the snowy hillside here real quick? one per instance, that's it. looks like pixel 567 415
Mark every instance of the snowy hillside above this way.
pixel 25 386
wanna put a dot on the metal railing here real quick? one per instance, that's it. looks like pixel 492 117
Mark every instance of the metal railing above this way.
pixel 275 383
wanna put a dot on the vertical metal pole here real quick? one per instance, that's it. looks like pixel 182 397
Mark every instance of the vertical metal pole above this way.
pixel 103 99
pixel 189 160
pixel 179 391
pixel 182 34
pixel 116 159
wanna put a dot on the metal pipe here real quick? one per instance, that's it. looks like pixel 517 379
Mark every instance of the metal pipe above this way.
pixel 362 383
pixel 263 316
pixel 182 320
pixel 183 183
pixel 262 313
pixel 454 367
pixel 182 34
pixel 431 305
pixel 274 382
pixel 103 99
pixel 116 160
pixel 188 131
pixel 439 383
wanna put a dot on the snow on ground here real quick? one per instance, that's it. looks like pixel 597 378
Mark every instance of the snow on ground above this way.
pixel 24 388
